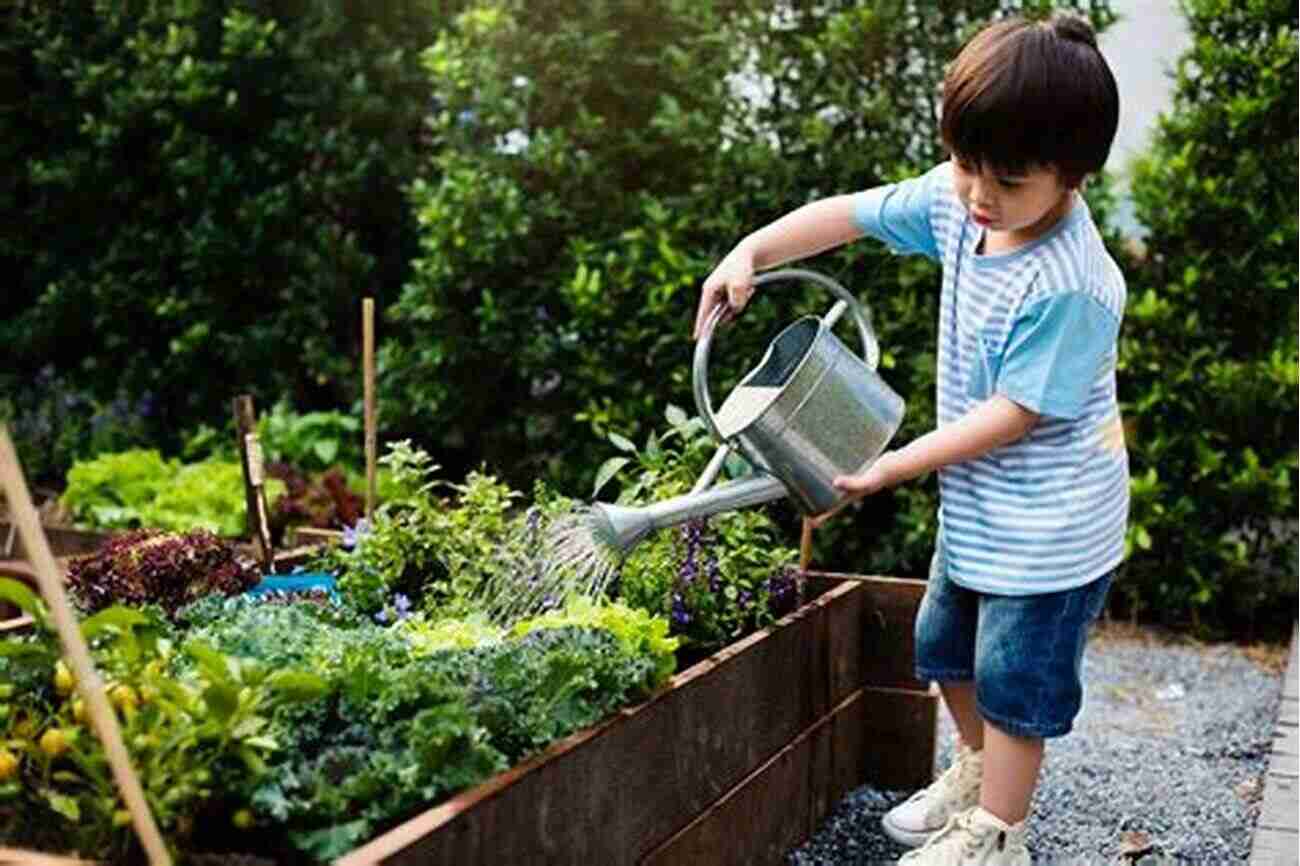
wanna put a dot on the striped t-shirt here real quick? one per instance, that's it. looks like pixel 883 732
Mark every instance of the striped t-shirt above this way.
pixel 1039 325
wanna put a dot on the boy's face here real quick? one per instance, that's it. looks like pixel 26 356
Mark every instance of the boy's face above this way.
pixel 1023 204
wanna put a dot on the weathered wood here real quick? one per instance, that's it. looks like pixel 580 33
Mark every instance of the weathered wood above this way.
pixel 900 735
pixel 761 730
pixel 250 460
pixel 887 616
pixel 64 541
pixel 368 367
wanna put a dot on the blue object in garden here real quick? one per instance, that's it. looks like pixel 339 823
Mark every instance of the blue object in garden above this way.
pixel 301 581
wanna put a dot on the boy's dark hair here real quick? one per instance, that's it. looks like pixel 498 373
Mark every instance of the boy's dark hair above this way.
pixel 1022 94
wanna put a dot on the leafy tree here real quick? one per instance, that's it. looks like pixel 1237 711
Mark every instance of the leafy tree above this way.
pixel 206 189
pixel 1208 360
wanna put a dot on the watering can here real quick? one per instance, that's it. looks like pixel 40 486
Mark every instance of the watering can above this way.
pixel 810 410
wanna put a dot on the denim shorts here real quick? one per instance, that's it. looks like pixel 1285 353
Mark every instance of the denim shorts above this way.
pixel 1023 652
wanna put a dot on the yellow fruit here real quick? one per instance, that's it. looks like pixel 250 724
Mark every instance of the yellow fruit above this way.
pixel 121 817
pixel 54 742
pixel 63 679
pixel 79 710
pixel 8 765
pixel 243 819
pixel 124 697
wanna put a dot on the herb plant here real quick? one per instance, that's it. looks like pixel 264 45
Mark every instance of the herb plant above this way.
pixel 716 579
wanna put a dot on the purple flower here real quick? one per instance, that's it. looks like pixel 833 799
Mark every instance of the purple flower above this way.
pixel 352 535
pixel 382 616
pixel 403 605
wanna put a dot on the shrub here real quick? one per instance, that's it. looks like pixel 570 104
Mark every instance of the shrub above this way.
pixel 1208 354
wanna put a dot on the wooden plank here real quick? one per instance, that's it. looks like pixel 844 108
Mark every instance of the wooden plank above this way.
pixel 64 541
pixel 775 807
pixel 887 617
pixel 642 776
pixel 901 731
pixel 250 461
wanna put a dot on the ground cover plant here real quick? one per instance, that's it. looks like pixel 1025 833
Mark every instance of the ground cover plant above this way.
pixel 297 726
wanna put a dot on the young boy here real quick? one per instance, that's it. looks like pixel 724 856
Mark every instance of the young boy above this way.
pixel 1033 472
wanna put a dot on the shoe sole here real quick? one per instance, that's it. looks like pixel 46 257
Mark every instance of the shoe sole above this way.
pixel 910 838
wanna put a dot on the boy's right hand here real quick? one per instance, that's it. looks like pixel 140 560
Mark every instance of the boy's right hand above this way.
pixel 731 284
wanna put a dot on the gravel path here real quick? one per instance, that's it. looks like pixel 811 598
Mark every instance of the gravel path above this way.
pixel 1166 763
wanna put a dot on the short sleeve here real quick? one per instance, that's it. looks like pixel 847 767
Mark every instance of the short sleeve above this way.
pixel 899 213
pixel 1055 352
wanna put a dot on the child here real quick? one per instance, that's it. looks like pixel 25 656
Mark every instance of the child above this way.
pixel 1033 472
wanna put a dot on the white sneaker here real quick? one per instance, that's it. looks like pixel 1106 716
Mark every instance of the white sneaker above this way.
pixel 925 813
pixel 973 838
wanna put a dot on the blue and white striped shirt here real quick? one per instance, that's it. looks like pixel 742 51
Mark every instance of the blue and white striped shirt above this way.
pixel 1039 325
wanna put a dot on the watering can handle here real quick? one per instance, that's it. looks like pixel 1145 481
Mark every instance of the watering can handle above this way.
pixel 700 368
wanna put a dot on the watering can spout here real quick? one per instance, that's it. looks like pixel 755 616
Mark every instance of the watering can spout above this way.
pixel 621 527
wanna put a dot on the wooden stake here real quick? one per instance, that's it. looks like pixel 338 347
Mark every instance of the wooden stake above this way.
pixel 250 458
pixel 74 646
pixel 368 363
pixel 805 545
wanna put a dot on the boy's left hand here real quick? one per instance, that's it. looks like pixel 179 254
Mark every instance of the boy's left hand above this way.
pixel 877 477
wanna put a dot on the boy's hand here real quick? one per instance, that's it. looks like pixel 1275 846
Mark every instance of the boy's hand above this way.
pixel 731 283
pixel 879 476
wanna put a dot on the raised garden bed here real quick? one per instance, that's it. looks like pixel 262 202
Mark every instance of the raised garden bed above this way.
pixel 736 761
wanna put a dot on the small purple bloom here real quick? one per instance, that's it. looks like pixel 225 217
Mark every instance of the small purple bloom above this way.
pixel 382 616
pixel 403 605
pixel 352 535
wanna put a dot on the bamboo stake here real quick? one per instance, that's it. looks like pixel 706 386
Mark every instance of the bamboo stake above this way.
pixel 368 362
pixel 805 545
pixel 74 645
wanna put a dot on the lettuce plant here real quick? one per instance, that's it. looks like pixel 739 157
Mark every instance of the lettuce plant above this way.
pixel 166 569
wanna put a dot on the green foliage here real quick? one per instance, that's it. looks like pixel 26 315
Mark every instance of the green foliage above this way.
pixel 405 724
pixel 311 441
pixel 714 580
pixel 138 488
pixel 638 632
pixel 1208 355
pixel 207 190
pixel 446 552
pixel 197 740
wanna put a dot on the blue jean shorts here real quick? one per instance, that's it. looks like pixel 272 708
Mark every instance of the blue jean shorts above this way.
pixel 1023 652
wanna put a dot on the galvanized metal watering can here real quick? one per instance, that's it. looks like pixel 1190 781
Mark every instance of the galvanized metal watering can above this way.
pixel 809 411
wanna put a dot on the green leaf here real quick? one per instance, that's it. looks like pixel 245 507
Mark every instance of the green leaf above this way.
pixel 607 471
pixel 115 617
pixel 326 450
pixel 222 700
pixel 622 443
pixel 298 685
pixel 64 805
pixel 675 415
pixel 19 594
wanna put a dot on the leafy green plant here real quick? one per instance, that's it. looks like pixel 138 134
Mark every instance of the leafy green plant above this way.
pixel 139 488
pixel 198 741
pixel 311 441
pixel 714 580
pixel 442 552
pixel 637 631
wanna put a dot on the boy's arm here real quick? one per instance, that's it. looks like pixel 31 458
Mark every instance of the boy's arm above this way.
pixel 804 232
pixel 996 422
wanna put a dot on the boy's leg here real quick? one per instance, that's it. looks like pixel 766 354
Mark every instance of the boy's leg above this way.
pixel 945 653
pixel 959 698
pixel 1011 767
